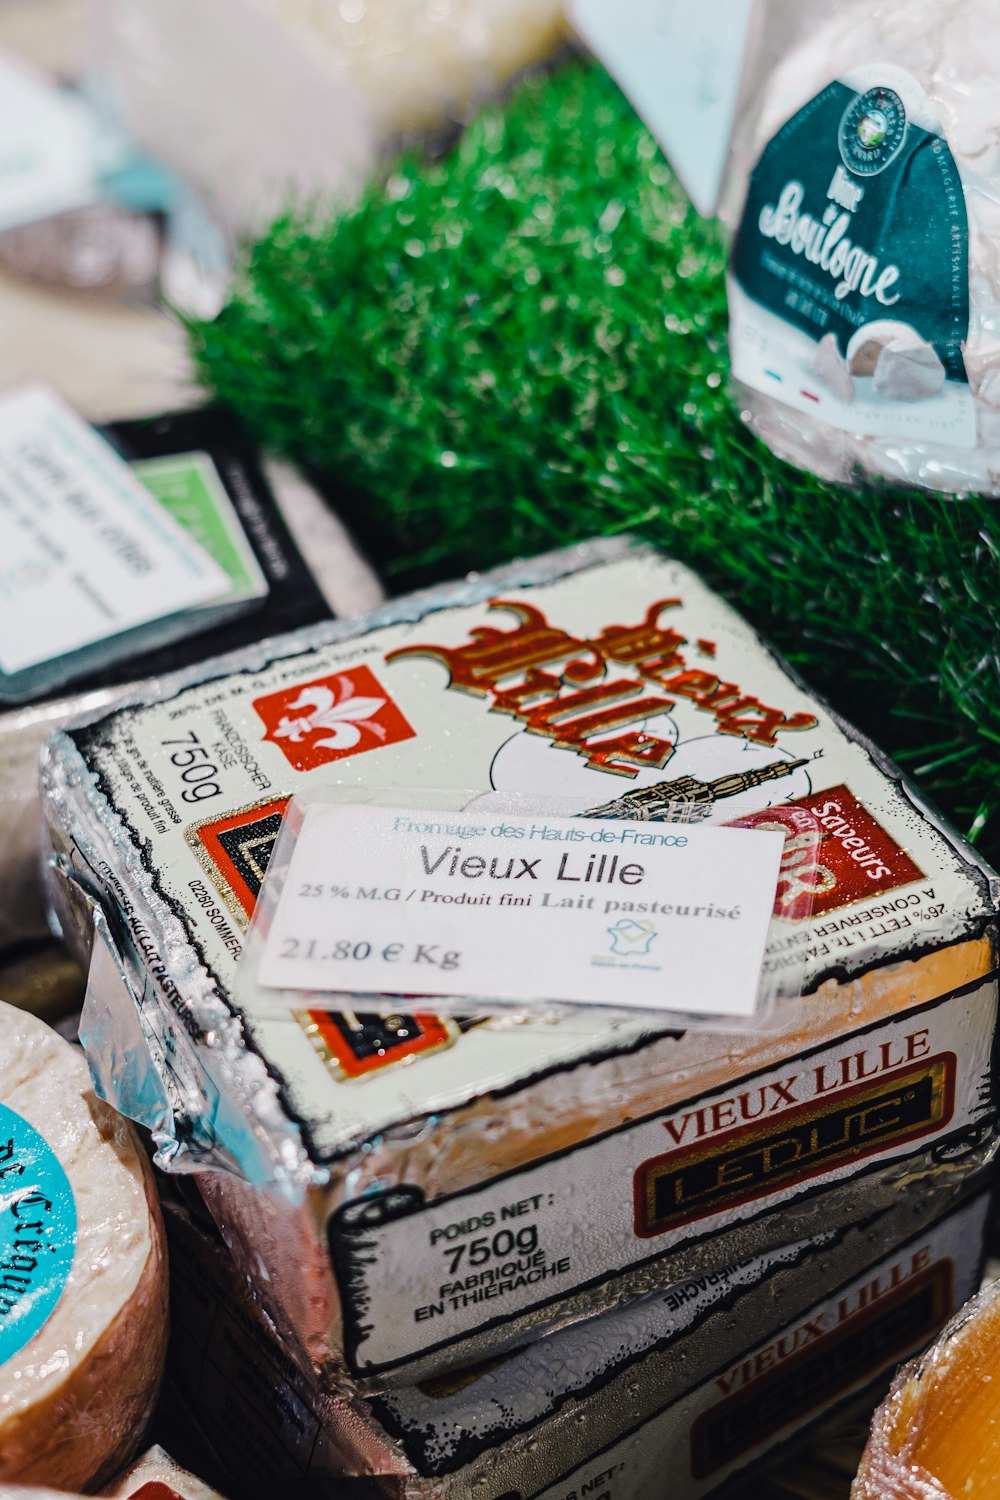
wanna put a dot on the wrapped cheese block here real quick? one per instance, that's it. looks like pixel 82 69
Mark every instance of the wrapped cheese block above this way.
pixel 320 86
pixel 863 287
pixel 83 1297
pixel 936 1436
pixel 700 1381
pixel 99 247
pixel 446 1188
pixel 207 474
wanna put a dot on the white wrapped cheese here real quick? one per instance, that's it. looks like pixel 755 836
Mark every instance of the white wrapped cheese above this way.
pixel 865 279
pixel 83 1300
pixel 319 88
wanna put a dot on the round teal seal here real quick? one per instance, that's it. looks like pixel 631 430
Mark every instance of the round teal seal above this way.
pixel 37 1232
pixel 872 131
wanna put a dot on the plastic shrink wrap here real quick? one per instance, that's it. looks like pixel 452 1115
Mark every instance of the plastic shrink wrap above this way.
pixel 277 514
pixel 864 293
pixel 700 1381
pixel 320 87
pixel 83 1294
pixel 600 1157
pixel 937 1436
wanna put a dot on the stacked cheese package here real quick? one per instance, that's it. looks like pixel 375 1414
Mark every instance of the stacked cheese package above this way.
pixel 547 1254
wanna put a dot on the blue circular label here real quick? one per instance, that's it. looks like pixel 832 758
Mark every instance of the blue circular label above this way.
pixel 37 1232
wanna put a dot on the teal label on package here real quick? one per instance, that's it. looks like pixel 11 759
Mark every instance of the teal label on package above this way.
pixel 37 1232
pixel 856 214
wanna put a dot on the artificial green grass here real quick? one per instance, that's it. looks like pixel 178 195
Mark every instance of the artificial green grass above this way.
pixel 523 343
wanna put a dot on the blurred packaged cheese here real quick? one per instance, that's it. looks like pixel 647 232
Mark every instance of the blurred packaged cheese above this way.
pixel 77 508
pixel 318 88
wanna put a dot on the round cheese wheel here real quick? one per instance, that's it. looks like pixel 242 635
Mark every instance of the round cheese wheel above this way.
pixel 83 1294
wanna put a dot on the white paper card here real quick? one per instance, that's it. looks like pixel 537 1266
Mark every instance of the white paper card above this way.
pixel 681 66
pixel 48 149
pixel 623 914
pixel 86 553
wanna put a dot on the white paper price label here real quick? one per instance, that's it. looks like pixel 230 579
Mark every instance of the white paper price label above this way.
pixel 503 908
pixel 86 553
pixel 681 65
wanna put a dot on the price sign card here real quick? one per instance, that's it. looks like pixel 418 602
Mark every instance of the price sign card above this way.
pixel 89 559
pixel 502 908
pixel 681 66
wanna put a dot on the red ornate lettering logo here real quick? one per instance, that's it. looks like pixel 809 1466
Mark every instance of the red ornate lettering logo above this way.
pixel 333 717
pixel 563 686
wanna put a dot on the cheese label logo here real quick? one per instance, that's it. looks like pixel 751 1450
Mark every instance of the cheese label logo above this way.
pixel 331 718
pixel 839 855
pixel 37 1232
pixel 354 1045
pixel 821 1136
pixel 872 131
pixel 594 696
pixel 235 850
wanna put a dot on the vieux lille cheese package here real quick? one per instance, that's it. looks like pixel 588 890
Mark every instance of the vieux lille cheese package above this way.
pixel 446 1189
pixel 700 1381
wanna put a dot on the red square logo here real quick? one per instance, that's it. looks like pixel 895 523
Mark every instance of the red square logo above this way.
pixel 333 717
pixel 848 857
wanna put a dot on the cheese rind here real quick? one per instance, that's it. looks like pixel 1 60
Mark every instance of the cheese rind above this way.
pixel 77 1386
pixel 153 1476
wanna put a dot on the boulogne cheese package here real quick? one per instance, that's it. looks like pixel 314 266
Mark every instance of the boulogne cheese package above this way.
pixel 442 1189
pixel 699 1381
pixel 206 474
pixel 863 290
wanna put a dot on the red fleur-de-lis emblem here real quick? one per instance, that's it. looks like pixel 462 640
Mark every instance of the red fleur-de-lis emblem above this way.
pixel 324 720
